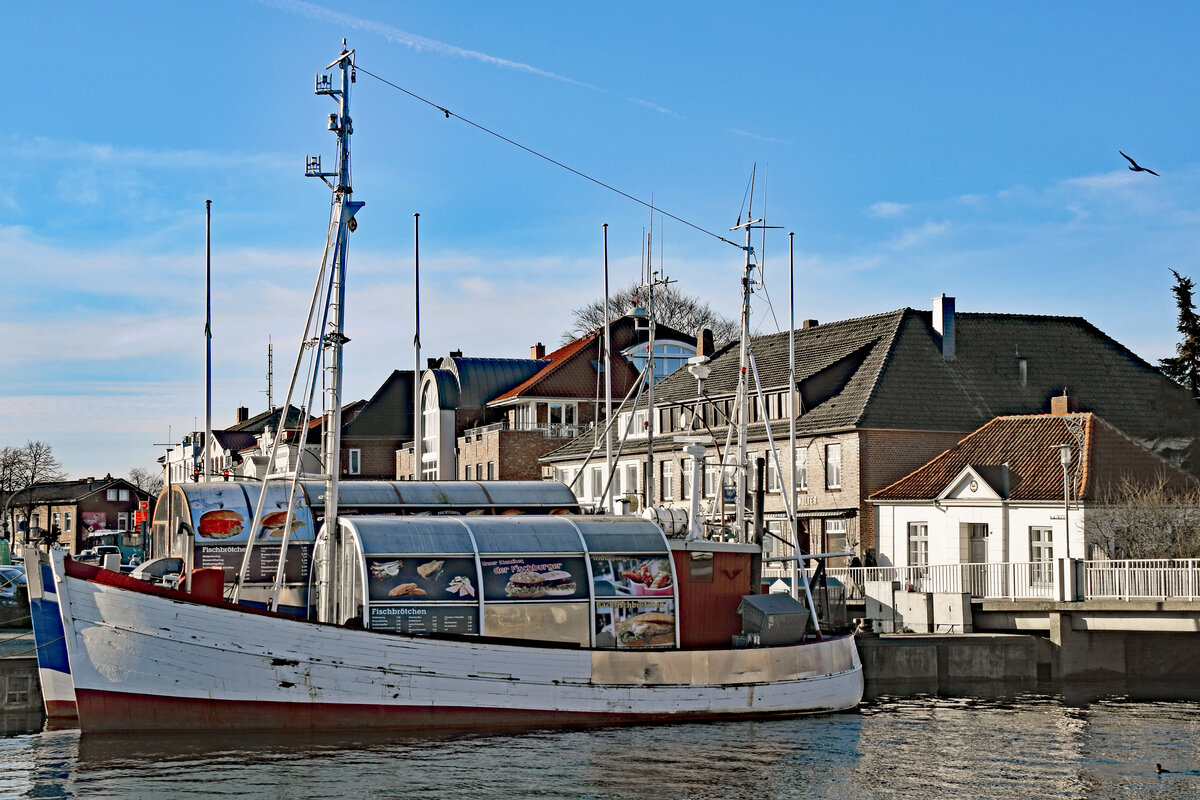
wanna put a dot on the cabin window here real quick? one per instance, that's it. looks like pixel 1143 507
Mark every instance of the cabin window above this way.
pixel 666 483
pixel 833 466
pixel 355 461
pixel 918 544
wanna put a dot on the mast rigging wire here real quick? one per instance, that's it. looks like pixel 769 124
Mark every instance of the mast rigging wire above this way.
pixel 544 157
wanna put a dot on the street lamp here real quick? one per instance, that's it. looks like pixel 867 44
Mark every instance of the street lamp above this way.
pixel 1064 458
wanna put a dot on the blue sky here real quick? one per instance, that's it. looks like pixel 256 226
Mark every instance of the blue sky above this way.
pixel 914 149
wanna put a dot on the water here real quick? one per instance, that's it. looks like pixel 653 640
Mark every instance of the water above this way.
pixel 1033 747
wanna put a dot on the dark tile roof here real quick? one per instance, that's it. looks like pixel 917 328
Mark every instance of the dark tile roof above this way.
pixel 389 412
pixel 887 372
pixel 478 380
pixel 260 422
pixel 1029 446
pixel 235 441
pixel 71 491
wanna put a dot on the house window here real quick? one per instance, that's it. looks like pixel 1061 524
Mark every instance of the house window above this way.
pixel 17 690
pixel 666 486
pixel 597 482
pixel 123 495
pixel 67 523
pixel 712 477
pixel 918 544
pixel 833 466
pixel 430 417
pixel 802 469
pixel 111 495
pixel 491 470
pixel 1022 371
pixel 772 473
pixel 835 536
pixel 123 521
pixel 355 461
pixel 1041 552
pixel 686 472
pixel 631 478
pixel 467 472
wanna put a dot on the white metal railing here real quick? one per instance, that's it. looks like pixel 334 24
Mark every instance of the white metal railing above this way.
pixel 1126 579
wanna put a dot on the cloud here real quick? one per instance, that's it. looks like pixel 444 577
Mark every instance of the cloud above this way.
pixel 912 237
pixel 887 209
pixel 749 135
pixel 410 40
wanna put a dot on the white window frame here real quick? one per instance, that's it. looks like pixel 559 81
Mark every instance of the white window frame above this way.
pixel 666 479
pixel 354 467
pixel 833 465
pixel 918 544
pixel 802 469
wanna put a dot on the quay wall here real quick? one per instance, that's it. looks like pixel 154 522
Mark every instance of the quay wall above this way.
pixel 1140 664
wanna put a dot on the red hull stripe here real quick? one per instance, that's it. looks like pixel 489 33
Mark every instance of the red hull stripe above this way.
pixel 61 709
pixel 119 711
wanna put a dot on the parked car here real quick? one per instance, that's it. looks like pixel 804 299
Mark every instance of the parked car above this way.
pixel 13 585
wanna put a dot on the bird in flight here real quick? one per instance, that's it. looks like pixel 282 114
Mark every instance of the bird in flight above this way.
pixel 1138 168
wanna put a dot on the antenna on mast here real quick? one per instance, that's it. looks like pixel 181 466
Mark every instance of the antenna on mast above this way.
pixel 269 391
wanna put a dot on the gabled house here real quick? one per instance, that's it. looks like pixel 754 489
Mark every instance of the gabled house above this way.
pixel 76 509
pixel 492 418
pixel 1002 494
pixel 880 396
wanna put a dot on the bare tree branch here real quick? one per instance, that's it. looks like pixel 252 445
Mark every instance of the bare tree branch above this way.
pixel 673 308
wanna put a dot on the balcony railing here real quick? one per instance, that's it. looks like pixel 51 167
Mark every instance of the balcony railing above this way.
pixel 1162 579
pixel 551 430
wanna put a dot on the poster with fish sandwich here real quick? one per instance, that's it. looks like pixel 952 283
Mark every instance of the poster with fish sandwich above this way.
pixel 421 578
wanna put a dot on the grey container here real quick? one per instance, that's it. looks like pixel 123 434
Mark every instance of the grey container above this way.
pixel 773 618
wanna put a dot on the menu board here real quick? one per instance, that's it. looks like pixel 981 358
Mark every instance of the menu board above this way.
pixel 535 579
pixel 411 618
pixel 635 624
pixel 264 560
pixel 421 579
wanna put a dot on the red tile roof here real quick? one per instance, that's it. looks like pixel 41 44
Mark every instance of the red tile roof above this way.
pixel 1029 445
pixel 555 361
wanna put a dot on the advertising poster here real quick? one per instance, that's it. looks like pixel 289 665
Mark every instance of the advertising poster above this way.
pixel 223 513
pixel 421 579
pixel 632 576
pixel 92 521
pixel 635 624
pixel 553 578
pixel 424 618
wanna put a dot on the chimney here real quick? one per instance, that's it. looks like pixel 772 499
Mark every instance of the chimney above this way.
pixel 943 323
pixel 432 363
pixel 1063 404
pixel 243 414
pixel 809 323
pixel 537 351
pixel 456 353
pixel 704 343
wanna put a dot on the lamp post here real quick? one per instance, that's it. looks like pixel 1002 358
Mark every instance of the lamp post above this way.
pixel 1064 458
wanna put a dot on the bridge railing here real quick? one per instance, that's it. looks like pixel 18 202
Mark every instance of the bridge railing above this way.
pixel 1032 580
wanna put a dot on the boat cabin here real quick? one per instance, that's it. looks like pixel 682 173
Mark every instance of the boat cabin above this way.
pixel 592 581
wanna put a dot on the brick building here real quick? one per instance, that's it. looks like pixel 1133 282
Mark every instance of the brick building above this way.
pixel 76 509
pixel 879 397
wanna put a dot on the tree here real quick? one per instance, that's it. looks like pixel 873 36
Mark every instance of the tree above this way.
pixel 149 481
pixel 1145 520
pixel 1184 368
pixel 672 307
pixel 31 464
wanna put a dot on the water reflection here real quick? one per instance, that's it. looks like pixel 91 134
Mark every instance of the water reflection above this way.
pixel 1023 746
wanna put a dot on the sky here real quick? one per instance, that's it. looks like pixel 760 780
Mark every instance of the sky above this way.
pixel 913 149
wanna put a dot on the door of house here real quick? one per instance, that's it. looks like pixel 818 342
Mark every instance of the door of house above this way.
pixel 976 577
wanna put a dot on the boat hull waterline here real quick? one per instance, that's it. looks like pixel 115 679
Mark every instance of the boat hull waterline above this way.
pixel 150 659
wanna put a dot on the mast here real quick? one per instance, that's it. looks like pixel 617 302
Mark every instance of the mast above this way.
pixel 607 363
pixel 208 448
pixel 743 393
pixel 417 419
pixel 794 522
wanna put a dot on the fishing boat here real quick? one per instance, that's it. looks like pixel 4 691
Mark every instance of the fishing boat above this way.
pixel 54 669
pixel 465 621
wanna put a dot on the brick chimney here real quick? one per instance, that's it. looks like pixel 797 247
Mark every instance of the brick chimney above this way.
pixel 243 414
pixel 537 351
pixel 809 323
pixel 704 342
pixel 943 323
pixel 1063 404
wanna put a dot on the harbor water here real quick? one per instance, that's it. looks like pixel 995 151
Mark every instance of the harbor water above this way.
pixel 924 747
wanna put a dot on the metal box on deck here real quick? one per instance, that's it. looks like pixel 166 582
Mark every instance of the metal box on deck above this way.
pixel 773 618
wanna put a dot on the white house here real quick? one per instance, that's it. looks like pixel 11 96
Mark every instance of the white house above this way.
pixel 998 495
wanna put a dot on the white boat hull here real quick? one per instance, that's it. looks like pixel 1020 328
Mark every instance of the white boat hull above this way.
pixel 54 671
pixel 150 660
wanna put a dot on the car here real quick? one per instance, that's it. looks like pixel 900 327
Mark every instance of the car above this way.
pixel 13 584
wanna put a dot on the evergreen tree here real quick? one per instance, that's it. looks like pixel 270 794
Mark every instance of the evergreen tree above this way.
pixel 1185 367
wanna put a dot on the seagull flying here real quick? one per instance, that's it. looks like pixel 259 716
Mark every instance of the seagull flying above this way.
pixel 1137 168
